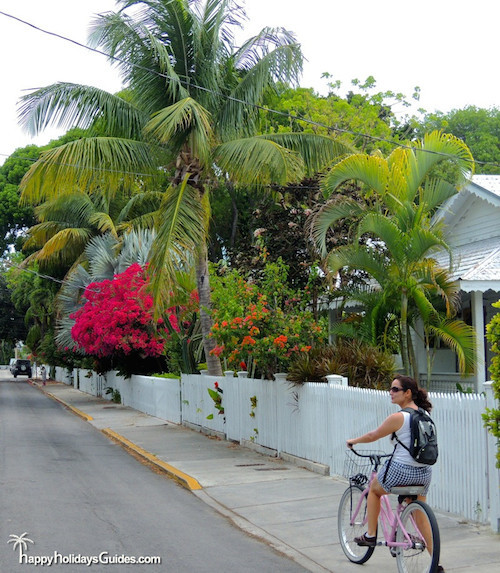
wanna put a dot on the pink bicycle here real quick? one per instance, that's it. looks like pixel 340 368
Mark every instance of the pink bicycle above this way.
pixel 410 530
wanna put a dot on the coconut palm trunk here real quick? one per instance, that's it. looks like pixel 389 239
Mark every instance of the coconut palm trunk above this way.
pixel 405 354
pixel 203 284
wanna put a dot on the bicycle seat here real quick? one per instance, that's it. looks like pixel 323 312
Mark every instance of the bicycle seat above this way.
pixel 408 490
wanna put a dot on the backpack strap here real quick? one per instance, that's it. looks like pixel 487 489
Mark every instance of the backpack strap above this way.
pixel 394 437
pixel 389 463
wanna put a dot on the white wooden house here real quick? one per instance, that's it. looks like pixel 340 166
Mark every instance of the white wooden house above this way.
pixel 472 230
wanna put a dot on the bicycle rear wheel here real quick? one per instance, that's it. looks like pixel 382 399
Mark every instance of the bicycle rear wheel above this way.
pixel 421 534
pixel 347 530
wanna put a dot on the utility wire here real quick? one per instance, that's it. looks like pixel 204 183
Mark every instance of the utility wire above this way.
pixel 82 286
pixel 288 115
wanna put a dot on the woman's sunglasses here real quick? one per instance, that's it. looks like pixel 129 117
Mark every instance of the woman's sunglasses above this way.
pixel 395 389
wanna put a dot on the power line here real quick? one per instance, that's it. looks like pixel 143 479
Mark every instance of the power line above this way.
pixel 82 286
pixel 288 115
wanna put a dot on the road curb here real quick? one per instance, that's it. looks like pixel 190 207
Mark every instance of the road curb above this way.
pixel 76 411
pixel 182 478
pixel 185 480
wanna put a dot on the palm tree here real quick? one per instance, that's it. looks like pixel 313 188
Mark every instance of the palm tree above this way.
pixel 401 193
pixel 67 222
pixel 191 106
pixel 20 542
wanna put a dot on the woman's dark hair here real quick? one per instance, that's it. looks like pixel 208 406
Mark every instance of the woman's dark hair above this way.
pixel 418 394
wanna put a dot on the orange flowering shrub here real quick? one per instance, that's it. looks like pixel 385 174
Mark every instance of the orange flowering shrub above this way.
pixel 262 325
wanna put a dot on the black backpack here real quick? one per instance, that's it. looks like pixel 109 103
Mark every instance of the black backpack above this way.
pixel 423 446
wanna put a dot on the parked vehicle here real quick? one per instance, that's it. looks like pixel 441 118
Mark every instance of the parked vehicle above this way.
pixel 21 367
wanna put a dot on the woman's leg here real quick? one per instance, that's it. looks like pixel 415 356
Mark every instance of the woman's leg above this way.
pixel 424 525
pixel 373 506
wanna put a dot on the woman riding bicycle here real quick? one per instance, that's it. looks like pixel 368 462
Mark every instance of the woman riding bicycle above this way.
pixel 401 469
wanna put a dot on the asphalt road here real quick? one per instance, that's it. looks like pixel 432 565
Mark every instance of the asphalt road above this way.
pixel 79 497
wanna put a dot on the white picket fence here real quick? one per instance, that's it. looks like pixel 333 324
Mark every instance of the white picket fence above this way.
pixel 312 421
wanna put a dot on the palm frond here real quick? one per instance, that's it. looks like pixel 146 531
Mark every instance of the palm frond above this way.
pixel 146 221
pixel 67 105
pixel 459 337
pixel 182 121
pixel 103 223
pixel 140 48
pixel 384 229
pixel 352 257
pixel 39 234
pixel 182 227
pixel 422 242
pixel 90 164
pixel 65 243
pixel 317 151
pixel 370 170
pixel 135 248
pixel 434 148
pixel 140 204
pixel 434 193
pixel 259 161
pixel 101 253
pixel 74 207
pixel 66 239
pixel 448 289
pixel 273 56
pixel 426 310
pixel 328 215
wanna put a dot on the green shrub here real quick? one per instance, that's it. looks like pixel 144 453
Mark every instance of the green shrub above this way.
pixel 261 325
pixel 492 415
pixel 364 365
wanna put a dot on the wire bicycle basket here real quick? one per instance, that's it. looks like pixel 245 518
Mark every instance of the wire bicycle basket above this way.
pixel 358 469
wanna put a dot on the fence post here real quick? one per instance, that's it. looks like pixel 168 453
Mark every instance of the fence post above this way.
pixel 493 471
pixel 337 379
pixel 241 374
pixel 281 386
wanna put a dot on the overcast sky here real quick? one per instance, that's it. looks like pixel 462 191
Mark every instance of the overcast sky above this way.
pixel 448 48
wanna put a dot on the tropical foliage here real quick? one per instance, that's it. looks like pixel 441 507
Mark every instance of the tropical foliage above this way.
pixel 401 195
pixel 479 128
pixel 33 295
pixel 492 415
pixel 188 150
pixel 261 326
pixel 104 257
pixel 364 365
pixel 191 109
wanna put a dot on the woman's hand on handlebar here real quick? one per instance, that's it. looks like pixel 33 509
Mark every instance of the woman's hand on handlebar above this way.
pixel 350 444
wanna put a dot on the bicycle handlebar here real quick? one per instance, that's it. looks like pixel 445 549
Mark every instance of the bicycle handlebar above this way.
pixel 375 458
pixel 369 455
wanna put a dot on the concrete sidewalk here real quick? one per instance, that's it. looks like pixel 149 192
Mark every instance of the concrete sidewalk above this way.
pixel 291 508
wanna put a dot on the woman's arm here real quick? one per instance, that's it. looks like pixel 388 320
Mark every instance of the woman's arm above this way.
pixel 391 424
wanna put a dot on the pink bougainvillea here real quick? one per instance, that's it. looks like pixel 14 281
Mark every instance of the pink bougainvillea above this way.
pixel 118 317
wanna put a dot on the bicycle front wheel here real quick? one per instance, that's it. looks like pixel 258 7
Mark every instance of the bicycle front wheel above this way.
pixel 352 523
pixel 420 534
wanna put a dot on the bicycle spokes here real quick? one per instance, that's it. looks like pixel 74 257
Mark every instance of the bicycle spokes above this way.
pixel 352 523
pixel 418 539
